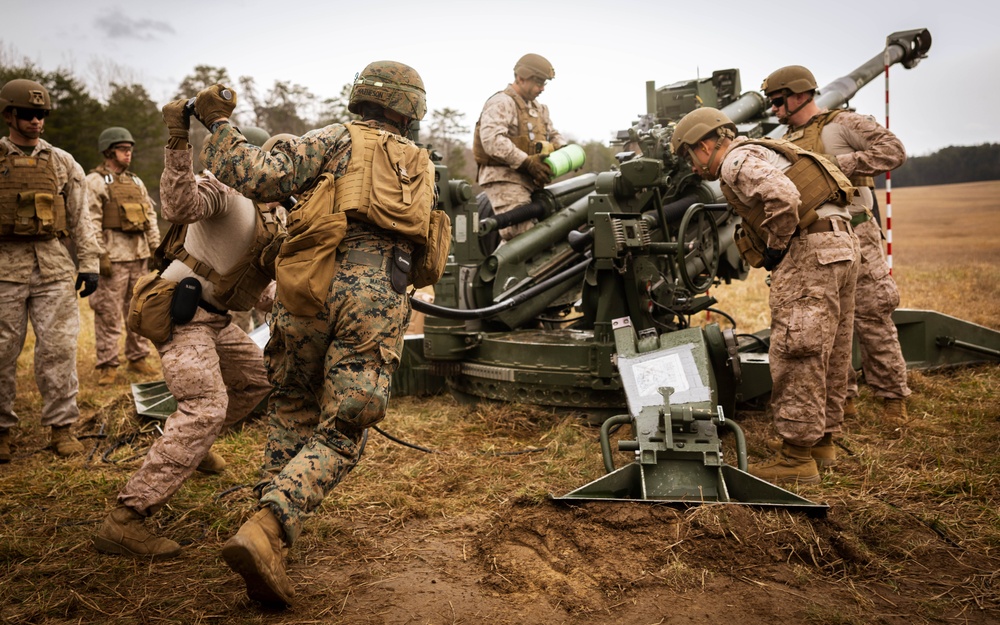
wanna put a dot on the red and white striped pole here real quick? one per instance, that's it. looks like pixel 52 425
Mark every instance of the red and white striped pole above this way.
pixel 888 179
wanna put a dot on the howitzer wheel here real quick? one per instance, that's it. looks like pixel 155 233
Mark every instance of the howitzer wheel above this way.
pixel 698 252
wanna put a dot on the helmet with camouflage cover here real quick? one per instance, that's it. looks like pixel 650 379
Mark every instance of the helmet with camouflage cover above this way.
pixel 391 85
pixel 696 125
pixel 255 136
pixel 792 78
pixel 111 136
pixel 534 66
pixel 24 93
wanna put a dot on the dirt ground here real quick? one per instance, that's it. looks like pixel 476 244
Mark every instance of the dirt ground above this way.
pixel 911 536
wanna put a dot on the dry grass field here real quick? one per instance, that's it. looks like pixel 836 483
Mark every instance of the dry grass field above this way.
pixel 462 530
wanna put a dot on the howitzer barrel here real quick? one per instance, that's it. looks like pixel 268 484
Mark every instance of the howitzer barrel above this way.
pixel 908 47
pixel 748 106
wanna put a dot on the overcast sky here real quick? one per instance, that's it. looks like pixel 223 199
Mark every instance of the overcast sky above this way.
pixel 603 51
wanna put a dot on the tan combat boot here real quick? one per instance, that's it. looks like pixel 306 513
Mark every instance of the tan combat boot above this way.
pixel 5 446
pixel 64 443
pixel 141 367
pixel 894 411
pixel 212 463
pixel 824 452
pixel 850 410
pixel 793 464
pixel 106 376
pixel 123 533
pixel 256 553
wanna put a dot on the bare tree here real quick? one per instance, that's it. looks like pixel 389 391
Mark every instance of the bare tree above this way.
pixel 203 76
pixel 334 110
pixel 105 74
pixel 445 134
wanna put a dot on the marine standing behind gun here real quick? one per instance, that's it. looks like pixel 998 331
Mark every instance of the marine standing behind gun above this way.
pixel 513 136
pixel 862 148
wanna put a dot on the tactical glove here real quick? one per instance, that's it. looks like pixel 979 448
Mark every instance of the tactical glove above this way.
pixel 537 169
pixel 88 281
pixel 177 119
pixel 772 257
pixel 105 266
pixel 214 103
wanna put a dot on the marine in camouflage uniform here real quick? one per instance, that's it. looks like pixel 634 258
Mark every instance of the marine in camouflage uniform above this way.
pixel 36 270
pixel 123 212
pixel 513 135
pixel 213 369
pixel 330 359
pixel 862 148
pixel 813 274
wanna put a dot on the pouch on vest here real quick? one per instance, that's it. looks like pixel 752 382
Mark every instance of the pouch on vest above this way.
pixel 746 247
pixel 149 310
pixel 429 260
pixel 402 188
pixel 306 262
pixel 134 217
pixel 35 213
pixel 399 270
pixel 184 303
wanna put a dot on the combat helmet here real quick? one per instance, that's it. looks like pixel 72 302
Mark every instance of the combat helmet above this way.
pixel 255 135
pixel 791 78
pixel 24 93
pixel 696 125
pixel 113 135
pixel 391 85
pixel 534 66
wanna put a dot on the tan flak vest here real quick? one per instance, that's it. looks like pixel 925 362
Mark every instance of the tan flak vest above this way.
pixel 31 205
pixel 811 138
pixel 126 206
pixel 241 287
pixel 522 140
pixel 818 180
pixel 389 183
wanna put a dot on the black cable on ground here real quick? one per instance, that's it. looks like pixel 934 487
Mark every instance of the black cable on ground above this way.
pixel 530 450
pixel 404 443
pixel 128 439
pixel 232 490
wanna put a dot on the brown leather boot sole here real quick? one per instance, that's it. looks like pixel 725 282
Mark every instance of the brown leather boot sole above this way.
pixel 242 558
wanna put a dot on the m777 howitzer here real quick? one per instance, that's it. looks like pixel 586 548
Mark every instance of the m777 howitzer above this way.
pixel 531 320
pixel 589 309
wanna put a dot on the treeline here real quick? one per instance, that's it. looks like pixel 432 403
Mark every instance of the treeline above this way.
pixel 79 115
pixel 949 165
